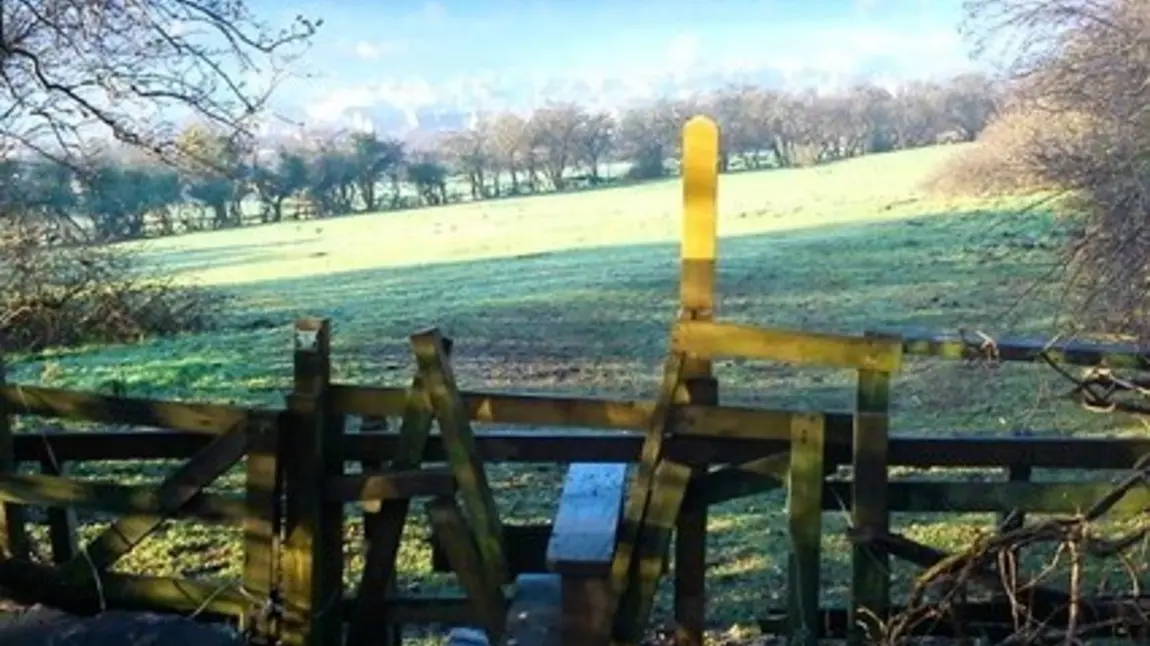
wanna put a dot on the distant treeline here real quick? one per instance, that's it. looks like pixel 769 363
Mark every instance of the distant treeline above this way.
pixel 229 181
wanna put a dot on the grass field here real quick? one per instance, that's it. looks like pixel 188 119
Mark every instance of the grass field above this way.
pixel 575 294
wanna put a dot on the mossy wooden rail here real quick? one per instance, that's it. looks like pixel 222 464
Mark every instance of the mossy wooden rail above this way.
pixel 686 452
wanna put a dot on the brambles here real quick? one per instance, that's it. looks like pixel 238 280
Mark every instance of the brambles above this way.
pixel 55 291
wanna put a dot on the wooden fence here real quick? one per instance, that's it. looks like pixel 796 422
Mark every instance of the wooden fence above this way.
pixel 685 451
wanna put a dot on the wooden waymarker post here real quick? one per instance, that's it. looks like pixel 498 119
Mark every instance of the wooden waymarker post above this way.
pixel 700 164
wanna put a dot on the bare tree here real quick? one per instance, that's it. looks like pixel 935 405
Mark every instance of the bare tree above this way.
pixel 593 140
pixel 1082 69
pixel 555 133
pixel 72 70
pixel 509 146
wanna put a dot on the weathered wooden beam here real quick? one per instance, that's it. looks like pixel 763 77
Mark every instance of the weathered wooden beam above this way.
pixel 383 527
pixel 263 523
pixel 639 493
pixel 59 403
pixel 62 523
pixel 1079 353
pixel 805 504
pixel 710 339
pixel 459 440
pixel 870 569
pixel 112 498
pixel 312 578
pixel 583 537
pixel 700 172
pixel 976 449
pixel 484 592
pixel 14 541
pixel 584 413
pixel 1000 497
pixel 634 611
pixel 170 496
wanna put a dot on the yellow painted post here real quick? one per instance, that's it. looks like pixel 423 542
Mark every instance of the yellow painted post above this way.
pixel 700 167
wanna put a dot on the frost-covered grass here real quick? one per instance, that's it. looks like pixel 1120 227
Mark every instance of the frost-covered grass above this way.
pixel 575 293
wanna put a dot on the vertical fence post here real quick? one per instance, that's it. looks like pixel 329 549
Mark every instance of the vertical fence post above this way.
pixel 13 529
pixel 697 302
pixel 62 524
pixel 805 507
pixel 313 551
pixel 870 568
pixel 262 523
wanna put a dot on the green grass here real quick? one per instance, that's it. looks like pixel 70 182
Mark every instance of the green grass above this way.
pixel 575 293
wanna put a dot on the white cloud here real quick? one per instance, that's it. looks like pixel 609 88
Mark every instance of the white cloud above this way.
pixel 682 52
pixel 370 51
pixel 826 58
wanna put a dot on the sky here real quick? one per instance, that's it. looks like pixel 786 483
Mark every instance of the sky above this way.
pixel 499 54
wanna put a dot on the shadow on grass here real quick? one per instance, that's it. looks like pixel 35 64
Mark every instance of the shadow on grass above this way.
pixel 597 320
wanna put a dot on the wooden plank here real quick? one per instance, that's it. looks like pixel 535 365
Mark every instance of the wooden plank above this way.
pixel 715 340
pixel 207 599
pixel 670 486
pixel 999 497
pixel 586 413
pixel 14 541
pixel 173 493
pixel 403 485
pixel 979 449
pixel 383 529
pixel 737 481
pixel 590 506
pixel 534 616
pixel 805 504
pixel 263 523
pixel 62 524
pixel 690 589
pixel 483 592
pixel 870 569
pixel 455 427
pixel 112 498
pixel 212 419
pixel 1077 353
pixel 312 581
pixel 973 449
pixel 105 445
pixel 639 492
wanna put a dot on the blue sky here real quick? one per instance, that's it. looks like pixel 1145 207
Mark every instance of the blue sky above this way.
pixel 489 53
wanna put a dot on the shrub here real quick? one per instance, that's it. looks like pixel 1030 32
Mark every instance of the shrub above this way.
pixel 55 291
